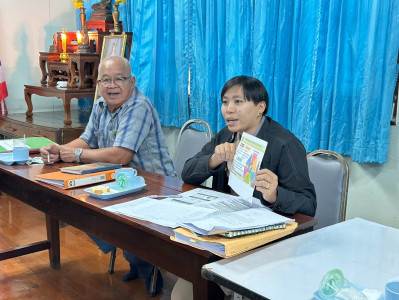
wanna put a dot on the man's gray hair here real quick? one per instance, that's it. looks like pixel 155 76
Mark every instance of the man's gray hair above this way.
pixel 125 62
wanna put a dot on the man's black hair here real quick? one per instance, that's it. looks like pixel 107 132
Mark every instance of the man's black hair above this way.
pixel 253 89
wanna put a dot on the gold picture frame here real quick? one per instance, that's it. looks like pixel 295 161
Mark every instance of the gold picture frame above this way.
pixel 112 45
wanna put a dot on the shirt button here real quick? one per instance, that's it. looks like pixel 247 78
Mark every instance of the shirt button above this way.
pixel 278 206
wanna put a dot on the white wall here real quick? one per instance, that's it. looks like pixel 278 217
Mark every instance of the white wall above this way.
pixel 27 27
pixel 374 188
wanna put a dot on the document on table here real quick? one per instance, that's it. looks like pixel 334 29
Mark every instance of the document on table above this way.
pixel 194 205
pixel 246 162
pixel 163 212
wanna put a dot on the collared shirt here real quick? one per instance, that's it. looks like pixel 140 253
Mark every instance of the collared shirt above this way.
pixel 135 126
pixel 285 156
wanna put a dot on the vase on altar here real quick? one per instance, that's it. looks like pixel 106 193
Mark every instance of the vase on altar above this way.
pixel 82 17
pixel 115 16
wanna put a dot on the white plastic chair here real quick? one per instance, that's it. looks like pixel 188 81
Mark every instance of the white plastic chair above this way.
pixel 189 142
pixel 329 173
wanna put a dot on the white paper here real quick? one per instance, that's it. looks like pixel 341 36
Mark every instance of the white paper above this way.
pixel 172 212
pixel 246 162
pixel 7 144
pixel 195 205
pixel 165 212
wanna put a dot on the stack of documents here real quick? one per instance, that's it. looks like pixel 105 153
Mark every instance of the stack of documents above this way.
pixel 206 217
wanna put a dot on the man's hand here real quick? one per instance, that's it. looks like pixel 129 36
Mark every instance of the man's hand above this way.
pixel 50 154
pixel 223 152
pixel 67 154
pixel 266 182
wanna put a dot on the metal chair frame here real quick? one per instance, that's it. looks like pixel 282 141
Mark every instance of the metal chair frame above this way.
pixel 186 127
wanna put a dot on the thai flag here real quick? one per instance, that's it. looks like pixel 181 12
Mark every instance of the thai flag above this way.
pixel 3 93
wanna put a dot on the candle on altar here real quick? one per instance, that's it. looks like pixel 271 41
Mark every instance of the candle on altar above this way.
pixel 63 40
pixel 79 37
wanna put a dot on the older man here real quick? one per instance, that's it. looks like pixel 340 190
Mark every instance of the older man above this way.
pixel 123 128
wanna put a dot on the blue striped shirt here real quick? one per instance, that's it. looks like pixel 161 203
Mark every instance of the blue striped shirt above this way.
pixel 135 126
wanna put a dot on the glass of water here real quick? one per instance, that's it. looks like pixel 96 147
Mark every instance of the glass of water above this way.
pixel 20 150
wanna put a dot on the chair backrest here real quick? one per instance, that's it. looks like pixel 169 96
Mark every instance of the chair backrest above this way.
pixel 189 142
pixel 329 173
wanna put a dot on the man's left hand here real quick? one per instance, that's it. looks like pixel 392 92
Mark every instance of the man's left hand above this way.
pixel 266 182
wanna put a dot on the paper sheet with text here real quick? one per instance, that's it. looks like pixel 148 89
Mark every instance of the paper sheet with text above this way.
pixel 247 160
pixel 196 204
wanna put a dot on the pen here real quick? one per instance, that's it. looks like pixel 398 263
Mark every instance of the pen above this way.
pixel 48 157
pixel 165 196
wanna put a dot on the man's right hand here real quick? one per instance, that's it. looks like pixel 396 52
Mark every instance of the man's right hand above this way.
pixel 223 152
pixel 50 154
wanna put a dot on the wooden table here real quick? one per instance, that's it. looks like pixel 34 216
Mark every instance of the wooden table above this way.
pixel 366 253
pixel 149 241
pixel 66 94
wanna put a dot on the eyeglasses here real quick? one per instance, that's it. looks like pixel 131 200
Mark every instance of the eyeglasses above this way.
pixel 118 81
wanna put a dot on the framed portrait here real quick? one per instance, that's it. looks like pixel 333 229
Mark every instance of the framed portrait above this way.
pixel 112 45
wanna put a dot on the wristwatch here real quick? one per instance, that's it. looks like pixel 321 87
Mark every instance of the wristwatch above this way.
pixel 78 153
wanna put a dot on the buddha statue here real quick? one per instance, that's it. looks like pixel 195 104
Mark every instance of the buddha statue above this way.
pixel 102 10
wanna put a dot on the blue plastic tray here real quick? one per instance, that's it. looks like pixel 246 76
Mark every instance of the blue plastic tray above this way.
pixel 115 192
pixel 7 159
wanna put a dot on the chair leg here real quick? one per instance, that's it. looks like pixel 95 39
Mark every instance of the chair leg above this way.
pixel 153 284
pixel 112 261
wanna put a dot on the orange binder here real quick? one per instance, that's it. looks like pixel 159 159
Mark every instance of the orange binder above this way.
pixel 228 247
pixel 67 181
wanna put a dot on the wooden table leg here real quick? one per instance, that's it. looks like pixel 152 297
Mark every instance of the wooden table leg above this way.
pixel 42 64
pixel 53 235
pixel 28 100
pixel 67 108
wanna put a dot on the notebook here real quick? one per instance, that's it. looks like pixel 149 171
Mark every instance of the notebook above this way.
pixel 90 168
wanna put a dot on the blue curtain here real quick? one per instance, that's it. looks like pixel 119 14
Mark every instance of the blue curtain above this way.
pixel 343 82
pixel 329 67
pixel 159 53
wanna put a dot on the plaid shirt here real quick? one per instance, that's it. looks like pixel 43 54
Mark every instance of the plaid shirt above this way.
pixel 135 126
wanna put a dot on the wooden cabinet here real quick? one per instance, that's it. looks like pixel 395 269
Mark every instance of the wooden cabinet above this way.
pixel 46 124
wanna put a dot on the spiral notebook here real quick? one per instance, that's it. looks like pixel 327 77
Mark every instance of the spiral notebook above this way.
pixel 239 233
